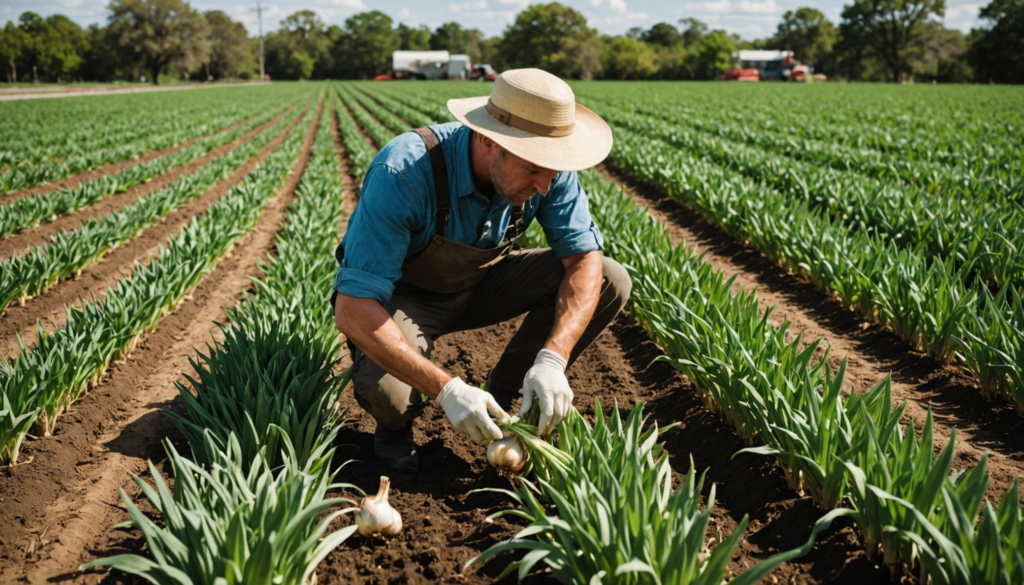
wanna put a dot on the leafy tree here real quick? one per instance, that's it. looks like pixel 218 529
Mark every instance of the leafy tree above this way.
pixel 366 46
pixel 714 54
pixel 230 50
pixel 997 53
pixel 13 42
pixel 627 58
pixel 413 39
pixel 808 34
pixel 298 47
pixel 102 59
pixel 551 37
pixel 694 31
pixel 160 34
pixel 662 34
pixel 892 31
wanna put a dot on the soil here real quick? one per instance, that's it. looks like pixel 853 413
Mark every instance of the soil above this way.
pixel 84 176
pixel 116 264
pixel 62 503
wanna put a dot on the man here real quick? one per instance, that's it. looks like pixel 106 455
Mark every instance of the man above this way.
pixel 429 250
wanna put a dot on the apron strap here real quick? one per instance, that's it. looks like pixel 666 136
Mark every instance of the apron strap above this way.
pixel 515 225
pixel 441 193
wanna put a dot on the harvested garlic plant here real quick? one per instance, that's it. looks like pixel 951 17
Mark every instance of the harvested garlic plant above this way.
pixel 507 454
pixel 376 516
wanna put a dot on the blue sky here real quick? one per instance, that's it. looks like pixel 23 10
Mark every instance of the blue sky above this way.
pixel 749 18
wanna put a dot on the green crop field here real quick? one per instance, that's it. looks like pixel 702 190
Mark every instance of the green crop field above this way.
pixel 819 377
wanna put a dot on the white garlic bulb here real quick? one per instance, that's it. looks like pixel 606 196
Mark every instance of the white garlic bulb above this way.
pixel 507 454
pixel 376 516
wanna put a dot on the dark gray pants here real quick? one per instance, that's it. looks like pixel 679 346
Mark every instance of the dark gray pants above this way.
pixel 525 282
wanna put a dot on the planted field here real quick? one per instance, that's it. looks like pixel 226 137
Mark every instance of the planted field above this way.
pixel 826 335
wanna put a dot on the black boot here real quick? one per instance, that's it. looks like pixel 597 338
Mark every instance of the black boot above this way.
pixel 396 450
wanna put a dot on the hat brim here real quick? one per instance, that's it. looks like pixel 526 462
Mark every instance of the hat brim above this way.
pixel 588 145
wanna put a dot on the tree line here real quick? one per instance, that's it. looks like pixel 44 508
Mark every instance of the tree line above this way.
pixel 892 40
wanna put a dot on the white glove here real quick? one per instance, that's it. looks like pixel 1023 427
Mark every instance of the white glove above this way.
pixel 470 410
pixel 546 380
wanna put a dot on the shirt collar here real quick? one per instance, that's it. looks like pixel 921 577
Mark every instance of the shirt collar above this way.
pixel 463 169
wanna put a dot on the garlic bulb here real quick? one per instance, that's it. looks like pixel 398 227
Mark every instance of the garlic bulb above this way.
pixel 376 516
pixel 507 454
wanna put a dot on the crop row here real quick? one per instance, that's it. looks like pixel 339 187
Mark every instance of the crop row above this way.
pixel 68 252
pixel 359 152
pixel 981 230
pixel 776 394
pixel 36 174
pixel 262 420
pixel 907 125
pixel 39 384
pixel 907 505
pixel 50 144
pixel 37 130
pixel 27 212
pixel 927 301
pixel 377 131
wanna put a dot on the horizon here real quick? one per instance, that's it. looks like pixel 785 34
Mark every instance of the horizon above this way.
pixel 750 19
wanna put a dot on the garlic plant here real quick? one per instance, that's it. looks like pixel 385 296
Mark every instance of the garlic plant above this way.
pixel 507 454
pixel 375 515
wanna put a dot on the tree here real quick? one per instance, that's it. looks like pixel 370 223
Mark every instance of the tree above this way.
pixel 808 34
pixel 160 34
pixel 413 39
pixel 102 59
pixel 663 34
pixel 300 44
pixel 229 45
pixel 694 31
pixel 13 42
pixel 366 47
pixel 626 58
pixel 997 53
pixel 714 54
pixel 889 30
pixel 548 37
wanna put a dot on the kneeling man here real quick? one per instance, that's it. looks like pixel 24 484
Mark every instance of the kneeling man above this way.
pixel 431 250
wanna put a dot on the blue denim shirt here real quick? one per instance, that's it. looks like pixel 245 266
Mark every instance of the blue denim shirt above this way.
pixel 395 216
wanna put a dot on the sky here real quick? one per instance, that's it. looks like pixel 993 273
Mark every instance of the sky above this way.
pixel 749 18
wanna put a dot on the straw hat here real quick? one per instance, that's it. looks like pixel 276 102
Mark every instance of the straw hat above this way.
pixel 534 115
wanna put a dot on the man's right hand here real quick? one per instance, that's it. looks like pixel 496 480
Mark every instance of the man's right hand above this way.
pixel 470 410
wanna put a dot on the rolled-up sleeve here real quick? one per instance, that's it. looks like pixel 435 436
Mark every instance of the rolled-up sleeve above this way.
pixel 377 238
pixel 564 214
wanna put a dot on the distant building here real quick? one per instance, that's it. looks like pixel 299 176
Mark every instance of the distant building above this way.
pixel 405 63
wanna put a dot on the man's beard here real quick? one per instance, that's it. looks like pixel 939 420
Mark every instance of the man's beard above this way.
pixel 500 181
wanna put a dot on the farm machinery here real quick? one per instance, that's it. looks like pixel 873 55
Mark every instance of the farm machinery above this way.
pixel 766 66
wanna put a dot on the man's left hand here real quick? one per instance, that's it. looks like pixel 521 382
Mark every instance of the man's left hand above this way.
pixel 546 383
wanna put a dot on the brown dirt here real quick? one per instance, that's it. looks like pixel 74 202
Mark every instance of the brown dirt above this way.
pixel 116 264
pixel 66 501
pixel 872 351
pixel 19 243
pixel 77 179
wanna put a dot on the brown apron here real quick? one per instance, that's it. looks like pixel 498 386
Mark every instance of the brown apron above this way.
pixel 446 266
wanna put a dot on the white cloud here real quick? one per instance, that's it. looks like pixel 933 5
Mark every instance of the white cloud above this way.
pixel 711 6
pixel 473 6
pixel 618 6
pixel 520 4
pixel 765 7
pixel 595 3
pixel 406 13
pixel 350 4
